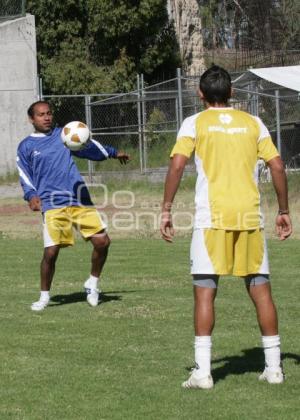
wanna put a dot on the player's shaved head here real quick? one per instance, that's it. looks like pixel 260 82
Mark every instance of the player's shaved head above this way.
pixel 31 109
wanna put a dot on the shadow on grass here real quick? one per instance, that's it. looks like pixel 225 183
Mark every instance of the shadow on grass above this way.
pixel 252 360
pixel 81 297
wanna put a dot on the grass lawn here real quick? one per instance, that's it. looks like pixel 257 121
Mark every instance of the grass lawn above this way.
pixel 126 358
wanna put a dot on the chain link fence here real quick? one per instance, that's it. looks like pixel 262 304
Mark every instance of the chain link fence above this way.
pixel 145 122
pixel 12 9
pixel 239 59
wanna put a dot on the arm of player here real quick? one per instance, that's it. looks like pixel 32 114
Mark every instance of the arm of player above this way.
pixel 123 157
pixel 283 222
pixel 98 152
pixel 268 152
pixel 182 151
pixel 25 176
pixel 173 178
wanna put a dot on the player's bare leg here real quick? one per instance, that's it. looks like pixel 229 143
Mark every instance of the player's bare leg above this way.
pixel 47 273
pixel 204 312
pixel 48 266
pixel 261 296
pixel 267 319
pixel 101 243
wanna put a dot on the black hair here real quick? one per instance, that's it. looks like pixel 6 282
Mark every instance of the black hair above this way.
pixel 215 84
pixel 30 110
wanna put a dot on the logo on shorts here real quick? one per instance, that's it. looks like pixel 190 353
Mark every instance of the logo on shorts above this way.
pixel 36 153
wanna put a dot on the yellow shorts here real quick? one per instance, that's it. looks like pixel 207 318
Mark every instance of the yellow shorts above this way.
pixel 221 252
pixel 58 224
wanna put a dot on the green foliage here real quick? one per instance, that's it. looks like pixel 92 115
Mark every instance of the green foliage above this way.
pixel 57 22
pixel 9 8
pixel 123 72
pixel 71 72
pixel 155 123
pixel 99 45
pixel 141 27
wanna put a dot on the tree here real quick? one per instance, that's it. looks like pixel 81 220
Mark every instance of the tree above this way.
pixel 91 46
pixel 137 29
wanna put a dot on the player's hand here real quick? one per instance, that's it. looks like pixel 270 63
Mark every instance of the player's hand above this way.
pixel 35 204
pixel 283 226
pixel 123 158
pixel 166 227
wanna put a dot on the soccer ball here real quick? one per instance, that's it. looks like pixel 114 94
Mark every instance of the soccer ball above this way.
pixel 75 135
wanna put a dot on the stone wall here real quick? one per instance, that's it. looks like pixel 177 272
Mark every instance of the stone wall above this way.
pixel 18 86
pixel 186 17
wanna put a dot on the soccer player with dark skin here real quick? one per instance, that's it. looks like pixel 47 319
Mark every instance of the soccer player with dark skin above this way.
pixel 40 116
pixel 215 91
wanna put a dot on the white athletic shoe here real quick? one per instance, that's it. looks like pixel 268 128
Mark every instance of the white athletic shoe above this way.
pixel 92 295
pixel 273 377
pixel 40 305
pixel 198 381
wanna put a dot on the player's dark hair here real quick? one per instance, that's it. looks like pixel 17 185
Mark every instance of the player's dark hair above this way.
pixel 215 84
pixel 30 110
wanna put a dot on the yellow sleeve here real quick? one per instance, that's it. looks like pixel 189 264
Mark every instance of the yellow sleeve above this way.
pixel 267 149
pixel 184 146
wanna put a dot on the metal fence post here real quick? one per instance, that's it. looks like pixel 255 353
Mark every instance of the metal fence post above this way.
pixel 40 88
pixel 140 128
pixel 144 119
pixel 278 130
pixel 179 88
pixel 23 11
pixel 257 101
pixel 252 98
pixel 88 120
pixel 177 114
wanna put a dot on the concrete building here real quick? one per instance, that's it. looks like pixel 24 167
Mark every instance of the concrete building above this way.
pixel 18 85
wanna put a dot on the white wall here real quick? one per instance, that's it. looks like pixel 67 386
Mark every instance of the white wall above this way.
pixel 18 86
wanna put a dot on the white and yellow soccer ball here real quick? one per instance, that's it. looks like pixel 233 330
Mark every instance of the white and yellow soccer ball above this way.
pixel 75 135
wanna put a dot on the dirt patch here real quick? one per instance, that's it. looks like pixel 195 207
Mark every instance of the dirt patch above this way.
pixel 8 210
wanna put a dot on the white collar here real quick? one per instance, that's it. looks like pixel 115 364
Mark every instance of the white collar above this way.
pixel 220 108
pixel 37 135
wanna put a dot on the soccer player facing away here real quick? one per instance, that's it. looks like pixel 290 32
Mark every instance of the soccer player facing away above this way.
pixel 53 185
pixel 228 236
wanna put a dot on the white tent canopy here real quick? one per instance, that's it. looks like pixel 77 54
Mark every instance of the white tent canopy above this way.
pixel 288 77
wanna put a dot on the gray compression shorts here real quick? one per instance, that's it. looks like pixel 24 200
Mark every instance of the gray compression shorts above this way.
pixel 211 280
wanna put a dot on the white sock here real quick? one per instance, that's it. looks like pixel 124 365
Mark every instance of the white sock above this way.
pixel 203 354
pixel 93 281
pixel 271 345
pixel 45 296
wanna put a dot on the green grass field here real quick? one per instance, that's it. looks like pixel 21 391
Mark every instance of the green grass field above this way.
pixel 126 358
